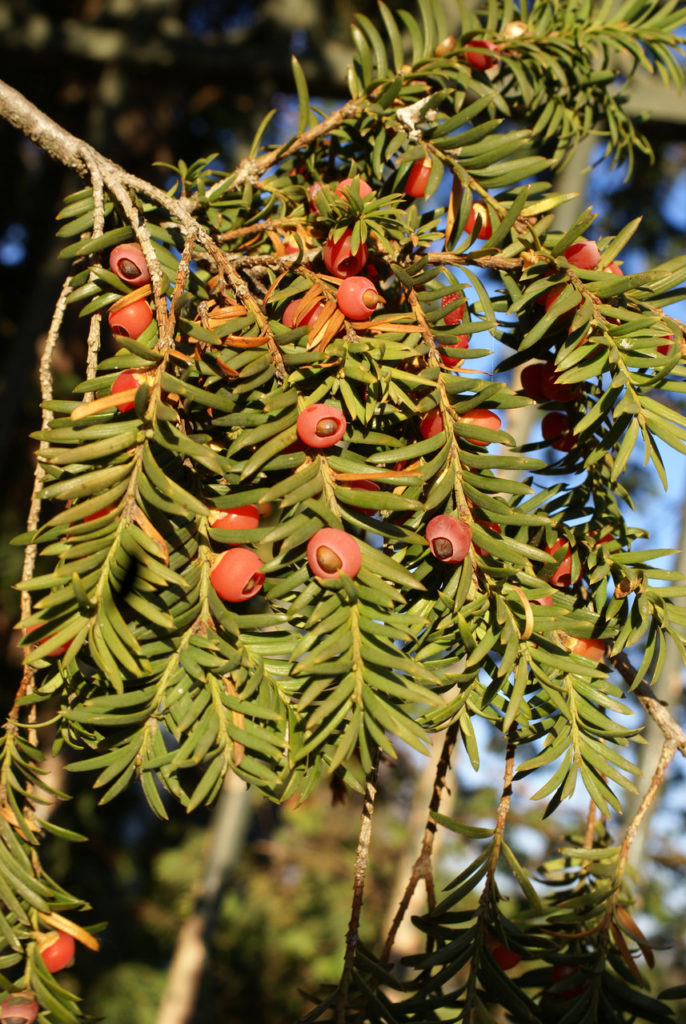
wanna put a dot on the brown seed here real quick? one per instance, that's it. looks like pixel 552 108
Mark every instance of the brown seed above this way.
pixel 442 547
pixel 328 559
pixel 128 268
pixel 445 46
pixel 370 298
pixel 326 427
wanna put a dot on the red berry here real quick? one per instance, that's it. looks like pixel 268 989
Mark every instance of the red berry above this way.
pixel 558 425
pixel 561 972
pixel 552 389
pixel 431 423
pixel 562 576
pixel 478 215
pixel 665 349
pixel 124 382
pixel 128 263
pixel 417 179
pixel 344 185
pixel 339 259
pixel 546 600
pixel 57 652
pixel 455 316
pixel 99 514
pixel 320 426
pixel 362 485
pixel 19 1008
pixel 451 361
pixel 531 380
pixel 244 517
pixel 585 255
pixel 487 526
pixel 448 538
pixel 293 316
pixel 237 575
pixel 614 269
pixel 57 950
pixel 357 298
pixel 475 56
pixel 481 418
pixel 588 647
pixel 331 551
pixel 505 958
pixel 312 191
pixel 131 320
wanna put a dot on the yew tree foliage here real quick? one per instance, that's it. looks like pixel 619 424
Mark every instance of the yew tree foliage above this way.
pixel 163 683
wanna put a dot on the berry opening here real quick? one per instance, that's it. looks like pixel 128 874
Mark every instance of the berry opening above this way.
pixel 325 428
pixel 442 547
pixel 328 559
pixel 128 268
pixel 370 298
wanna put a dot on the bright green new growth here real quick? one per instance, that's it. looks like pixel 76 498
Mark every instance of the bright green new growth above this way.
pixel 161 678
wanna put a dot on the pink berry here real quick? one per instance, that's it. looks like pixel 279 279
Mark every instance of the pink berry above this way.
pixel 131 320
pixel 448 538
pixel 342 187
pixel 357 298
pixel 584 254
pixel 339 259
pixel 124 382
pixel 478 215
pixel 320 425
pixel 19 1008
pixel 293 315
pixel 455 316
pixel 562 576
pixel 331 551
pixel 475 56
pixel 481 418
pixel 237 575
pixel 128 263
pixel 417 179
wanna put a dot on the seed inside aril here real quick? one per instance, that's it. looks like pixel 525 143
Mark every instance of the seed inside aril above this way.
pixel 328 559
pixel 326 427
pixel 370 298
pixel 253 581
pixel 443 547
pixel 127 268
pixel 349 263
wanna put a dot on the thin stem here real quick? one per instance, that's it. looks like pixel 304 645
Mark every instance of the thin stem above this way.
pixel 359 876
pixel 653 705
pixel 422 867
pixel 668 750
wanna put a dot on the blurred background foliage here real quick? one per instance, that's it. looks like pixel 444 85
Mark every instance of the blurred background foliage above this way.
pixel 149 81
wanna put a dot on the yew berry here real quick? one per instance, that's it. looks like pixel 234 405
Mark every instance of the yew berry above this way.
pixel 515 29
pixel 19 1008
pixel 558 425
pixel 312 191
pixel 131 320
pixel 417 179
pixel 362 485
pixel 552 388
pixel 481 418
pixel 128 263
pixel 343 186
pixel 331 551
pixel 546 600
pixel 99 514
pixel 478 215
pixel 505 958
pixel 455 316
pixel 57 652
pixel 339 258
pixel 57 950
pixel 531 380
pixel 487 526
pixel 665 349
pixel 584 254
pixel 587 647
pixel 562 576
pixel 448 538
pixel 614 269
pixel 237 575
pixel 451 361
pixel 431 423
pixel 357 298
pixel 446 46
pixel 475 56
pixel 124 382
pixel 565 972
pixel 320 426
pixel 293 315
pixel 244 517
